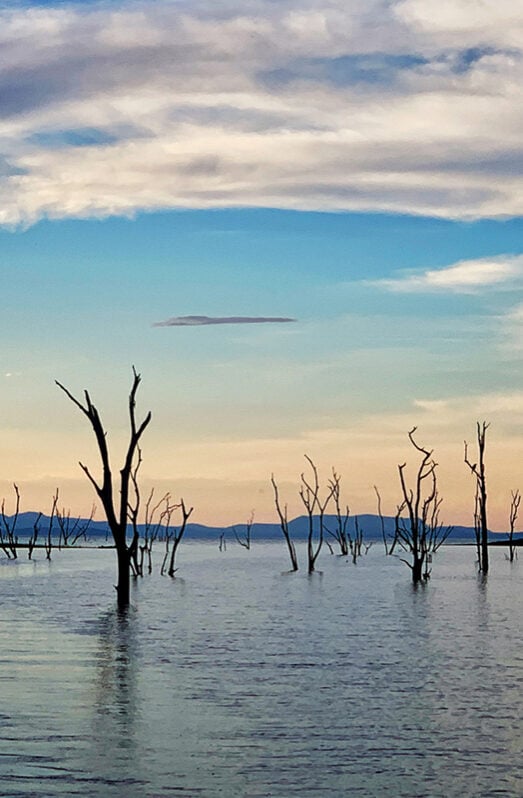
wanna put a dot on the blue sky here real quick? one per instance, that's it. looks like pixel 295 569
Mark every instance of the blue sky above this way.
pixel 354 168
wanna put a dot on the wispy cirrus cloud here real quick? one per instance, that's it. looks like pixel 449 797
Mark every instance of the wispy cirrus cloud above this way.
pixel 390 105
pixel 199 321
pixel 464 277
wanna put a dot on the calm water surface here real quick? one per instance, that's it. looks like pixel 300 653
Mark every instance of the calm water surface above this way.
pixel 237 679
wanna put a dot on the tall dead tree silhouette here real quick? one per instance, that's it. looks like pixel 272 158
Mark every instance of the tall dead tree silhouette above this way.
pixel 117 516
pixel 480 512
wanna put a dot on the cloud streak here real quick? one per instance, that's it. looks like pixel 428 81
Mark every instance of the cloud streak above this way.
pixel 200 321
pixel 464 277
pixel 117 107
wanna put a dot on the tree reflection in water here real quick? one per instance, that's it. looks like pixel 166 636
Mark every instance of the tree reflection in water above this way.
pixel 116 710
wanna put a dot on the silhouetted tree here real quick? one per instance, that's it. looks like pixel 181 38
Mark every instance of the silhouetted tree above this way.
pixel 117 516
pixel 480 511
pixel 34 536
pixel 515 497
pixel 133 509
pixel 420 533
pixel 246 540
pixel 310 496
pixel 284 524
pixel 341 518
pixel 356 543
pixel 8 537
pixel 71 530
pixel 152 528
pixel 48 542
pixel 175 536
pixel 388 550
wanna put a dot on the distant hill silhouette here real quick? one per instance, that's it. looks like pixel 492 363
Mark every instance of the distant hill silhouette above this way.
pixel 298 527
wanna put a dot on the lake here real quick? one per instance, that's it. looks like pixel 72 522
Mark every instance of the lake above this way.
pixel 238 679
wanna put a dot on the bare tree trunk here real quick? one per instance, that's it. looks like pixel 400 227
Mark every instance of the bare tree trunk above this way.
pixel 34 537
pixel 124 574
pixel 117 517
pixel 342 519
pixel 421 533
pixel 478 470
pixel 514 509
pixel 284 524
pixel 48 543
pixel 310 496
pixel 245 542
pixel 178 535
pixel 8 538
pixel 382 521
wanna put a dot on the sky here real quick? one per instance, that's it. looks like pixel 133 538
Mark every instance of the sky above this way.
pixel 301 221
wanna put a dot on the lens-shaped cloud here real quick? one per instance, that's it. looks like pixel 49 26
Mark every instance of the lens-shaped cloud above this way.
pixel 199 321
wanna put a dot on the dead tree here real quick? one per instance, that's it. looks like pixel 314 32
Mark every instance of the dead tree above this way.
pixel 48 543
pixel 284 524
pixel 382 526
pixel 514 510
pixel 152 528
pixel 356 543
pixel 175 536
pixel 340 534
pixel 8 537
pixel 437 533
pixel 477 525
pixel 71 530
pixel 310 496
pixel 478 471
pixel 117 516
pixel 132 515
pixel 246 540
pixel 420 534
pixel 34 536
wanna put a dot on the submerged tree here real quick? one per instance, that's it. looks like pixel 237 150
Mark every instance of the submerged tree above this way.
pixel 284 524
pixel 310 496
pixel 388 549
pixel 117 515
pixel 420 533
pixel 480 507
pixel 515 501
pixel 341 518
pixel 175 536
pixel 245 541
pixel 152 528
pixel 8 536
pixel 71 530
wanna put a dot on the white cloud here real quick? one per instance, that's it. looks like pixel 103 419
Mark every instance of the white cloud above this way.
pixel 112 108
pixel 502 409
pixel 464 277
pixel 465 18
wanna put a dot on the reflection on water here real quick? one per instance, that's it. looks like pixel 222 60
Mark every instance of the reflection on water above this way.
pixel 116 750
pixel 245 682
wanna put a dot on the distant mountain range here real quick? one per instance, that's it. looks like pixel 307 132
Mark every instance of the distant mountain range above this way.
pixel 370 525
